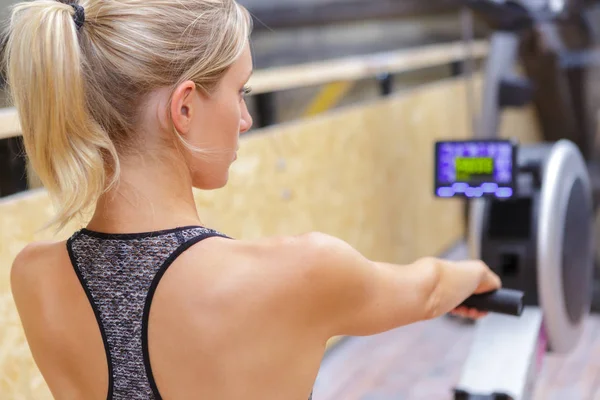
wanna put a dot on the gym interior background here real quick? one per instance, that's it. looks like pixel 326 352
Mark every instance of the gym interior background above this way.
pixel 349 98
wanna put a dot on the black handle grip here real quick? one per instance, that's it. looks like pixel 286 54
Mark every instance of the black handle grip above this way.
pixel 503 301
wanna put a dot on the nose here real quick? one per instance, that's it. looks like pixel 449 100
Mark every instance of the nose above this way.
pixel 247 121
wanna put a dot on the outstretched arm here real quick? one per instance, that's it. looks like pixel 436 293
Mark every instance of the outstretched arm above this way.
pixel 351 295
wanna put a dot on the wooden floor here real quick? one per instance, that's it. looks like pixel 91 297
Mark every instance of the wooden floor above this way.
pixel 424 361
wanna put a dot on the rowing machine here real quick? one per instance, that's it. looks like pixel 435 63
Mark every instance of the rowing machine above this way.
pixel 532 223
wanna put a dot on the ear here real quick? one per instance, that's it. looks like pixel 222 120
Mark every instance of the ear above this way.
pixel 182 107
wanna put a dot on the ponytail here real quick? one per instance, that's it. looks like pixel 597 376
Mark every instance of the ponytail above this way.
pixel 71 153
pixel 79 75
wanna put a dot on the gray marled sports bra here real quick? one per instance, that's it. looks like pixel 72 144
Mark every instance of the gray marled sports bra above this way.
pixel 120 274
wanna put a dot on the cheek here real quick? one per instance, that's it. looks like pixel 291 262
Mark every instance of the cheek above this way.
pixel 218 124
pixel 229 121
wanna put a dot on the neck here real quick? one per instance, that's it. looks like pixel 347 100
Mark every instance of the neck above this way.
pixel 150 196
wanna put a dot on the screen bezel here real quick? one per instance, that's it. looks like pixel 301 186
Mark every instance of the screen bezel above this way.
pixel 513 184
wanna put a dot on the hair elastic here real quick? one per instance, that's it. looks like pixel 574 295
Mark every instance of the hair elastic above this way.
pixel 79 16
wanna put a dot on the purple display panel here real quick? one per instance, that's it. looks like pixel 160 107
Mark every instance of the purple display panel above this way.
pixel 477 168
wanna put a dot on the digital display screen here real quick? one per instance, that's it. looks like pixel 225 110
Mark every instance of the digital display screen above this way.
pixel 468 169
pixel 475 168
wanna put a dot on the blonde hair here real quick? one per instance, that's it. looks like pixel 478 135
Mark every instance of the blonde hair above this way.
pixel 79 91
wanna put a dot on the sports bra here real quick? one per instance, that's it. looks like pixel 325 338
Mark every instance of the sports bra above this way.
pixel 119 274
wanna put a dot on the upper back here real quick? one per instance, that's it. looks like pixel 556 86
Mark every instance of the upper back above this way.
pixel 172 314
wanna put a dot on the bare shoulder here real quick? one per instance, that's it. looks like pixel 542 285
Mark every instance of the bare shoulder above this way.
pixel 37 280
pixel 34 264
pixel 306 253
pixel 282 265
pixel 292 248
pixel 312 274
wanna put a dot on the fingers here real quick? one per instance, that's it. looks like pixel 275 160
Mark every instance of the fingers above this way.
pixel 470 313
pixel 489 283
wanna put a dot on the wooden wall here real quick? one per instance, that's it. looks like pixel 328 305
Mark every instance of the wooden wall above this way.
pixel 363 173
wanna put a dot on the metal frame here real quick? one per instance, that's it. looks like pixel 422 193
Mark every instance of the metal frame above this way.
pixel 474 231
pixel 502 58
pixel 557 50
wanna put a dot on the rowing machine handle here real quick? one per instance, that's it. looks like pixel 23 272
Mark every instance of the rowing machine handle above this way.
pixel 503 301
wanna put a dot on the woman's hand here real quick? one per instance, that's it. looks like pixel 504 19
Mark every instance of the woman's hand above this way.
pixel 489 283
pixel 470 313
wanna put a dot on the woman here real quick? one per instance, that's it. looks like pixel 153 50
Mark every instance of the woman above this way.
pixel 125 106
